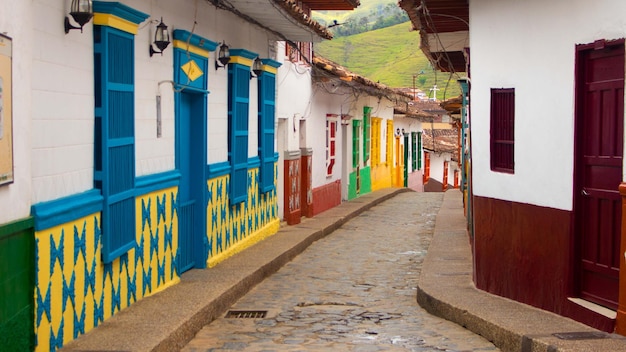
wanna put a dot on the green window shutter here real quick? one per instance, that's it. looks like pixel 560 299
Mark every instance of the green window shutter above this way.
pixel 419 150
pixel 238 101
pixel 366 133
pixel 414 150
pixel 114 133
pixel 355 143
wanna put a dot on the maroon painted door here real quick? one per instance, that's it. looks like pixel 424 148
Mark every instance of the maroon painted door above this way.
pixel 599 149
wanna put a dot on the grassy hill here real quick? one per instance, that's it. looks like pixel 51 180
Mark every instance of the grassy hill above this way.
pixel 390 55
pixel 364 9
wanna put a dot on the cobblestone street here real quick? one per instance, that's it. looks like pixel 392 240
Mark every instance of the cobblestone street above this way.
pixel 351 291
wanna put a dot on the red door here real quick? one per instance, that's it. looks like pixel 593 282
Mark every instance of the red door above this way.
pixel 599 150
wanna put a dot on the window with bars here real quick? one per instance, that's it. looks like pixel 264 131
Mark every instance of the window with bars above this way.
pixel 502 131
pixel 301 53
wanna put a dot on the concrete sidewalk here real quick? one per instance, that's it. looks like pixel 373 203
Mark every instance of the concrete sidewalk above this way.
pixel 167 320
pixel 446 289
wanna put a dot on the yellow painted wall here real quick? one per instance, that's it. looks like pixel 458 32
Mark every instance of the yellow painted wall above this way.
pixel 75 291
pixel 231 229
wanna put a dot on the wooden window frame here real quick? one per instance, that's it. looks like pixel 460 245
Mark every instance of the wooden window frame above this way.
pixel 502 131
pixel 331 138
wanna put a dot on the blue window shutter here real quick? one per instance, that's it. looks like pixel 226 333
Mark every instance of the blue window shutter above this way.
pixel 238 101
pixel 114 138
pixel 267 105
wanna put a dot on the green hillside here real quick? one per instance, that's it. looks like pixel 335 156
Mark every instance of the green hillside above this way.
pixel 366 7
pixel 390 55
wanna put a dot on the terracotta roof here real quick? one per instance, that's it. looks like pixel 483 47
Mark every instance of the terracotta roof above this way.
pixel 446 141
pixel 411 110
pixel 324 69
pixel 300 15
pixel 453 105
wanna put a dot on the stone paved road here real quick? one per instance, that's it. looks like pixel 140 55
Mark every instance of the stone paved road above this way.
pixel 351 291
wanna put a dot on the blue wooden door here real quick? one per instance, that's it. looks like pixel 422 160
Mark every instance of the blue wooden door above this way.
pixel 191 161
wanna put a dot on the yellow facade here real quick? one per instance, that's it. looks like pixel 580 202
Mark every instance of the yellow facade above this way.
pixel 231 229
pixel 79 291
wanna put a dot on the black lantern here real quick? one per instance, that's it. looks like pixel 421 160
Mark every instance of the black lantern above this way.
pixel 257 66
pixel 223 56
pixel 161 39
pixel 81 11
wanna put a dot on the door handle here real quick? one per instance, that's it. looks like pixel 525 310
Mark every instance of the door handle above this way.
pixel 584 192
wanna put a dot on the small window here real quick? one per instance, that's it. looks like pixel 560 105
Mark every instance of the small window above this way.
pixel 331 133
pixel 503 130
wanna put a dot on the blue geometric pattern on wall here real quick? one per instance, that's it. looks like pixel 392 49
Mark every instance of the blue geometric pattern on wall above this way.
pixel 230 224
pixel 79 322
pixel 168 236
pixel 147 282
pixel 80 242
pixel 145 214
pixel 154 243
pixel 56 252
pixel 43 305
pixel 57 341
pixel 139 250
pixel 116 298
pixel 131 290
pixel 160 210
pixel 98 311
pixel 84 292
pixel 174 206
pixel 69 291
pixel 160 271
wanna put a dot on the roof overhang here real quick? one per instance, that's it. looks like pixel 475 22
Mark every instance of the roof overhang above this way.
pixel 444 30
pixel 287 19
pixel 284 19
pixel 332 4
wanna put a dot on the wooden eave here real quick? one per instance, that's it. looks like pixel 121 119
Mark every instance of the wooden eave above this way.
pixel 332 4
pixel 436 17
pixel 285 19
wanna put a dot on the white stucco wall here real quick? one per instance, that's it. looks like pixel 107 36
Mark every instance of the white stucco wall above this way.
pixel 63 96
pixel 530 46
pixel 323 102
pixel 16 21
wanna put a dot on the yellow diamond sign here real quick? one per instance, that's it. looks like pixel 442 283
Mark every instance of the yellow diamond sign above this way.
pixel 192 70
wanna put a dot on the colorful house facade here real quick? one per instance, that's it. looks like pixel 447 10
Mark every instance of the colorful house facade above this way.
pixel 524 218
pixel 126 160
pixel 358 116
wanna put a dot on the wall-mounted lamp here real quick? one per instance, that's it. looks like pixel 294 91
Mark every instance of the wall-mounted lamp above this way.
pixel 161 39
pixel 257 68
pixel 223 56
pixel 81 11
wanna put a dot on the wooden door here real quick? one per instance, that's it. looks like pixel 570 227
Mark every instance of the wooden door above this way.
pixel 191 160
pixel 598 169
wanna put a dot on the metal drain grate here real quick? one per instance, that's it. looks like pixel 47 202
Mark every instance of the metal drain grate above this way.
pixel 246 314
pixel 580 335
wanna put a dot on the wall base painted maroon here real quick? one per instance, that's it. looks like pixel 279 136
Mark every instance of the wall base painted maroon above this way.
pixel 326 197
pixel 523 252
